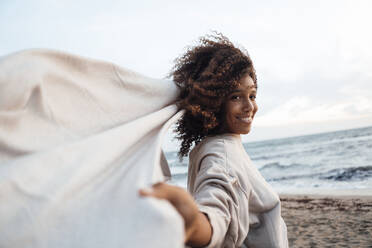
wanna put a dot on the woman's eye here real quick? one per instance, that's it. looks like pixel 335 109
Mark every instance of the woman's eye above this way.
pixel 253 97
pixel 235 97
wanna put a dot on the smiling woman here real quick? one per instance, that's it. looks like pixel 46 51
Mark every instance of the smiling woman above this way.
pixel 228 203
pixel 240 107
pixel 206 75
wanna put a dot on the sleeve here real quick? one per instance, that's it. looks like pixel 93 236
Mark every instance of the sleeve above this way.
pixel 218 195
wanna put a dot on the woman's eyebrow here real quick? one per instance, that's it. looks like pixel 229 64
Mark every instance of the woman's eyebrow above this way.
pixel 240 90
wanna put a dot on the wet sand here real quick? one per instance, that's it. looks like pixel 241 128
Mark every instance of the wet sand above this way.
pixel 328 221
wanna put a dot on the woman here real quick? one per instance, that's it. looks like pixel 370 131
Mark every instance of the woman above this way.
pixel 229 204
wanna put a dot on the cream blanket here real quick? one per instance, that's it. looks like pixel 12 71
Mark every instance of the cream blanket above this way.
pixel 78 138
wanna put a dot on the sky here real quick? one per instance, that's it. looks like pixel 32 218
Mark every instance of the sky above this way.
pixel 313 58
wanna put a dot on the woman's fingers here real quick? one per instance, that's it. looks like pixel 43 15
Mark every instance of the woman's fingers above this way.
pixel 146 191
pixel 158 190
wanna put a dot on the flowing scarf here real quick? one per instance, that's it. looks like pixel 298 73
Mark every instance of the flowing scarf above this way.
pixel 78 138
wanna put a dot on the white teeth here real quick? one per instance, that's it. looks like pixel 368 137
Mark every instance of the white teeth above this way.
pixel 245 119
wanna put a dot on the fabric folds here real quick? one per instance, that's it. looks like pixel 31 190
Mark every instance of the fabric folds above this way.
pixel 78 138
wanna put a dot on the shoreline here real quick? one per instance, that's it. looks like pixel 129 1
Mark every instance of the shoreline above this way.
pixel 331 193
pixel 326 196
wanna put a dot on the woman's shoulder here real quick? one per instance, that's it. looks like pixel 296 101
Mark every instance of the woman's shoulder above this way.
pixel 212 156
pixel 221 144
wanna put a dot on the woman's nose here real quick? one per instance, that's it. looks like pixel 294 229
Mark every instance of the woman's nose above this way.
pixel 248 105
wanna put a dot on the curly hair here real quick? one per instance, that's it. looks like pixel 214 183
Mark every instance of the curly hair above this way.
pixel 206 74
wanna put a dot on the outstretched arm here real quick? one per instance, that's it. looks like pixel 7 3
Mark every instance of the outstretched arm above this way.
pixel 197 227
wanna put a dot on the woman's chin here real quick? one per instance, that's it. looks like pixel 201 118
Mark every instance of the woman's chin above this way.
pixel 246 130
pixel 242 131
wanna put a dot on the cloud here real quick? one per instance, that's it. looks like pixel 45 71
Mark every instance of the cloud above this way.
pixel 304 110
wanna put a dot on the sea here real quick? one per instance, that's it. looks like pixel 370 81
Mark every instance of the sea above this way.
pixel 318 163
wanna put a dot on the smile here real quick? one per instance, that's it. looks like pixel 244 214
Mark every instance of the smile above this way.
pixel 246 120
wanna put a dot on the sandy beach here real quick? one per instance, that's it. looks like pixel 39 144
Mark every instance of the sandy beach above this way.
pixel 328 220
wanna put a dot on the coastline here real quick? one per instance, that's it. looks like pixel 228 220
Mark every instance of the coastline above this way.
pixel 336 218
pixel 333 193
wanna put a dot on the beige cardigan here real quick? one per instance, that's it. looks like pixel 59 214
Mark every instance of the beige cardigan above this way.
pixel 243 209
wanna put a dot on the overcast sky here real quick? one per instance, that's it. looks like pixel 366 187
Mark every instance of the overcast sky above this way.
pixel 313 58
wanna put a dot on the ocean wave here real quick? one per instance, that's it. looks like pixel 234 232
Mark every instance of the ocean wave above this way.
pixel 340 174
pixel 276 156
pixel 303 151
pixel 294 177
pixel 276 165
pixel 346 174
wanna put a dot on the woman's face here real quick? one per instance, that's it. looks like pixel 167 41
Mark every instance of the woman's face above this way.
pixel 240 107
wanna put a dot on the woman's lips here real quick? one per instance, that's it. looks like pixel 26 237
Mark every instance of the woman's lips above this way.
pixel 246 120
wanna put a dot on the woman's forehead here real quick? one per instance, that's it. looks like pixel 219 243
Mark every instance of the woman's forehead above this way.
pixel 246 83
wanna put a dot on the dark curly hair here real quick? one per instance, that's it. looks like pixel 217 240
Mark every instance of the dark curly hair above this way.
pixel 206 74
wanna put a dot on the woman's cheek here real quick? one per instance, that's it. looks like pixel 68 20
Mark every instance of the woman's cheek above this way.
pixel 255 109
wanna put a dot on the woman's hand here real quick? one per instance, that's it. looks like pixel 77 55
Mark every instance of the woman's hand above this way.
pixel 197 227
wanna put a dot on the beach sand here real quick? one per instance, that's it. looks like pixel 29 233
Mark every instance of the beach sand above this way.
pixel 328 220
